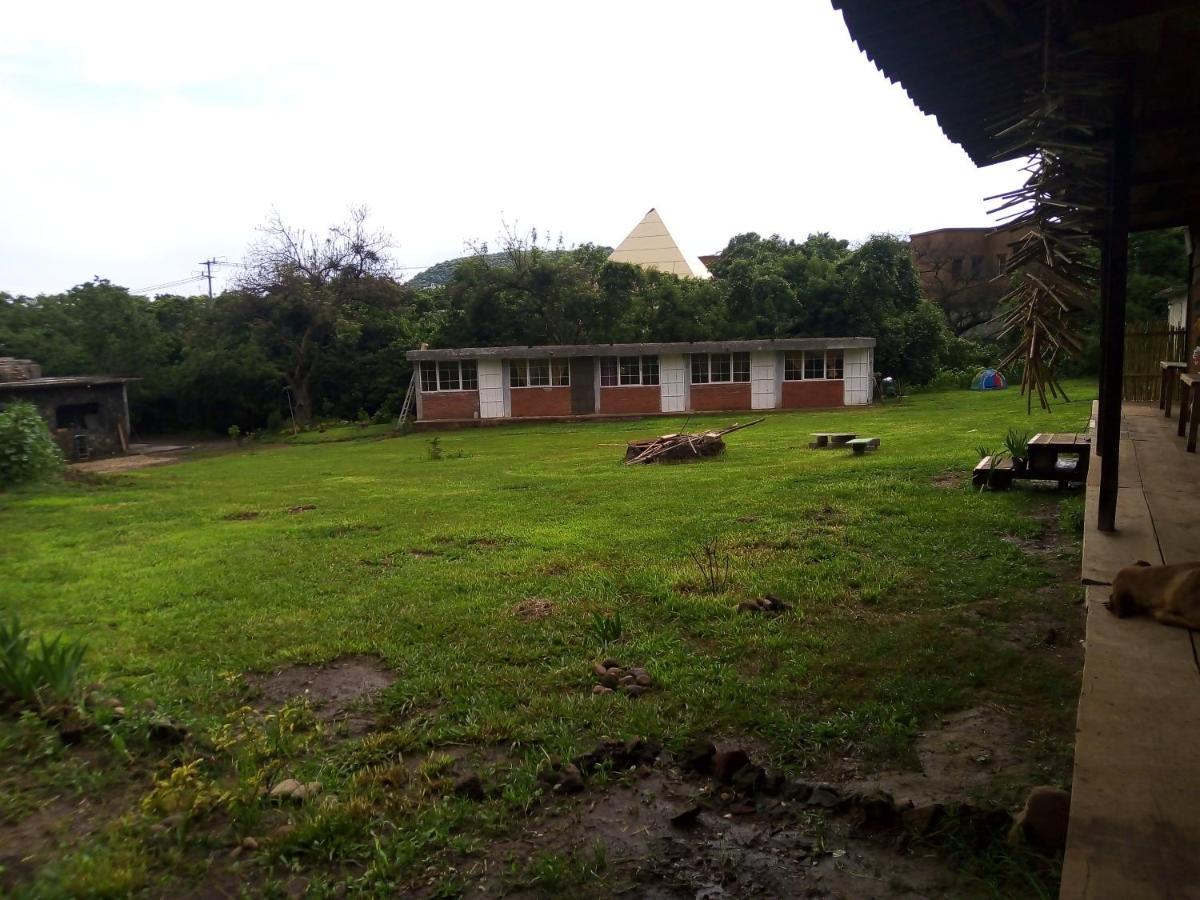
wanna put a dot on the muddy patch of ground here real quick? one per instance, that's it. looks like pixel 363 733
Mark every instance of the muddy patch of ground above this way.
pixel 338 692
pixel 533 608
pixel 949 480
pixel 960 759
pixel 655 832
pixel 30 842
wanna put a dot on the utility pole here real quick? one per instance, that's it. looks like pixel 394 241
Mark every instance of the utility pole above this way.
pixel 208 264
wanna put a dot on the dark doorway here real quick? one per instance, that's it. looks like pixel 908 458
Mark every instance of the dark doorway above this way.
pixel 583 385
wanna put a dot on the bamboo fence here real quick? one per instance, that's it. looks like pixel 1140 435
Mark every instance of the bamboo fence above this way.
pixel 1146 345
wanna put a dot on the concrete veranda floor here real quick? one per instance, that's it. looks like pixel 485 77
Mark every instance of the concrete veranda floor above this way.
pixel 1135 800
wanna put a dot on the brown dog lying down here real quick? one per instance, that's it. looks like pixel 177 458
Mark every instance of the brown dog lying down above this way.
pixel 1169 593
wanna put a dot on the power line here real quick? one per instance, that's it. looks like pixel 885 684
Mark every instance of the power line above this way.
pixel 208 264
pixel 167 284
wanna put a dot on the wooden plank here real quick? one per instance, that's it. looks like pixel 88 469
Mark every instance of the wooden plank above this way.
pixel 1177 527
pixel 1106 552
pixel 1134 826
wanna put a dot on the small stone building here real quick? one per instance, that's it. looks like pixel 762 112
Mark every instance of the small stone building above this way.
pixel 88 415
pixel 550 382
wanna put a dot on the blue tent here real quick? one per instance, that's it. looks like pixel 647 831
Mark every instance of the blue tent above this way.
pixel 989 380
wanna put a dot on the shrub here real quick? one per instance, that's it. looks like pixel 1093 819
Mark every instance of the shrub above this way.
pixel 38 675
pixel 713 566
pixel 27 452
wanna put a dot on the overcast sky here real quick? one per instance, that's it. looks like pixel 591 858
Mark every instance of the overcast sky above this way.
pixel 139 139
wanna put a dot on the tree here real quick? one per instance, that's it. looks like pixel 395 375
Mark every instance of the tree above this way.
pixel 293 294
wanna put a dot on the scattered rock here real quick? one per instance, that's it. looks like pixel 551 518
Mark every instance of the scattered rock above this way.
pixel 610 663
pixel 726 764
pixel 562 778
pixel 749 779
pixel 602 689
pixel 286 788
pixel 235 852
pixel 825 796
pixel 600 670
pixel 688 818
pixel 768 604
pixel 73 730
pixel 470 786
pixel 249 843
pixel 773 784
pixel 697 755
pixel 643 680
pixel 796 791
pixel 875 810
pixel 610 682
pixel 282 832
pixel 299 509
pixel 1043 821
pixel 628 679
pixel 570 780
pixel 148 704
pixel 922 821
pixel 167 731
pixel 291 789
pixel 633 690
pixel 118 712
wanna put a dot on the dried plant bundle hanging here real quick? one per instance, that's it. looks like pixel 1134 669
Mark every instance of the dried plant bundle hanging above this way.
pixel 1056 211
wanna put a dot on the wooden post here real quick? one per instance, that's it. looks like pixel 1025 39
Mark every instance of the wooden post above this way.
pixel 1115 264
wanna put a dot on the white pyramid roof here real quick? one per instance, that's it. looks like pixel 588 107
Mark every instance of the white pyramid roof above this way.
pixel 651 246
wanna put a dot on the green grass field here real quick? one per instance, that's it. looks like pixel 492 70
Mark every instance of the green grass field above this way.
pixel 906 602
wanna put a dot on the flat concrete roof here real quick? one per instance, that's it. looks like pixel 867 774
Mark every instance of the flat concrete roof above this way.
pixel 564 350
pixel 34 384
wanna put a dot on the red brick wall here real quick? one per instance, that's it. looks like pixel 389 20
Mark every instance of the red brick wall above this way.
pixel 540 401
pixel 630 399
pixel 449 404
pixel 815 393
pixel 721 396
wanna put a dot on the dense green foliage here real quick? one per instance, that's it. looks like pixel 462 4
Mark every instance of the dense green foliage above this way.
pixel 325 324
pixel 38 676
pixel 27 452
pixel 911 597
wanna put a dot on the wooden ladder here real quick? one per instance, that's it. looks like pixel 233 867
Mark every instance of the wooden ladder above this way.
pixel 409 397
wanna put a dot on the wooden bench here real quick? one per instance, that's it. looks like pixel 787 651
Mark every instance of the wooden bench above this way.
pixel 862 445
pixel 1044 462
pixel 997 475
pixel 825 440
pixel 1170 375
pixel 1188 397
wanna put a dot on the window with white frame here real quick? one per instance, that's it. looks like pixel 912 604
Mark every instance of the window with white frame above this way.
pixel 625 371
pixel 813 365
pixel 835 364
pixel 720 367
pixel 538 373
pixel 449 375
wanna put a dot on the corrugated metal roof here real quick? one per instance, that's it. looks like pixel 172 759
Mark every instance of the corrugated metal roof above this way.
pixel 34 384
pixel 564 350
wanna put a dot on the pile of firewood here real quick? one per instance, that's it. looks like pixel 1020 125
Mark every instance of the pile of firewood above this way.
pixel 680 447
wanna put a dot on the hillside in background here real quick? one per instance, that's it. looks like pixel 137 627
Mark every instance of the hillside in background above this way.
pixel 439 274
